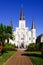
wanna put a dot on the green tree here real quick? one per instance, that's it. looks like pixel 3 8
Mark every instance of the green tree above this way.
pixel 9 33
pixel 6 32
pixel 2 34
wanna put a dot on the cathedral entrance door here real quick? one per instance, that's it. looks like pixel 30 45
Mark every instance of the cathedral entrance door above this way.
pixel 22 45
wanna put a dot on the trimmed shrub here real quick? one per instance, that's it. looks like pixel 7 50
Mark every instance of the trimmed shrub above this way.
pixel 33 47
pixel 41 49
pixel 9 47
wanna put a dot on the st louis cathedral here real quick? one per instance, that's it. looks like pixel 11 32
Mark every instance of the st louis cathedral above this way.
pixel 23 36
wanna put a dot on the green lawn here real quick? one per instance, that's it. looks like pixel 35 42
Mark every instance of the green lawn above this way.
pixel 5 56
pixel 36 58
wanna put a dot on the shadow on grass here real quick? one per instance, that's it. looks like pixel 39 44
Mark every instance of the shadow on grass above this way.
pixel 32 54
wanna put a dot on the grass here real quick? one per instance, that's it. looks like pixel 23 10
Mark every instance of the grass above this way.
pixel 36 58
pixel 5 56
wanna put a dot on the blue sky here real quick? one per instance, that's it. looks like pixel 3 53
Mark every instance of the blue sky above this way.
pixel 32 9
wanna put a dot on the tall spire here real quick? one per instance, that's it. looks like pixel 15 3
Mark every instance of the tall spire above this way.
pixel 33 26
pixel 22 14
pixel 11 22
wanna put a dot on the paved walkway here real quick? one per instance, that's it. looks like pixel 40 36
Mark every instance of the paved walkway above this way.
pixel 19 59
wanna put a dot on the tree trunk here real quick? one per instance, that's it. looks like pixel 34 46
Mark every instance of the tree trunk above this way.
pixel 7 40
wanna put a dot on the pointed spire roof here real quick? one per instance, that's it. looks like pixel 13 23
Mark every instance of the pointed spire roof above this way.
pixel 33 25
pixel 11 22
pixel 22 14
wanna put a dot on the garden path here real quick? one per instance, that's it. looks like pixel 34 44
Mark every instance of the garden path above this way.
pixel 19 59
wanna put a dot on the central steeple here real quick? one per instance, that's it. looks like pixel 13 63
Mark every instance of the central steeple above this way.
pixel 22 14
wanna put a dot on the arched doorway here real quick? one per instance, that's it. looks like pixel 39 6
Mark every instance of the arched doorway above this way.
pixel 22 45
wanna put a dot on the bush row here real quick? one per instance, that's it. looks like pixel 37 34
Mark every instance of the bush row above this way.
pixel 33 47
pixel 9 47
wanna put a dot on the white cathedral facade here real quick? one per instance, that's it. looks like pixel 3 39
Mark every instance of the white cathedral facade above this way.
pixel 23 36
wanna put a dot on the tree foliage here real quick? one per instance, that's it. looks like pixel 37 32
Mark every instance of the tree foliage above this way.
pixel 6 32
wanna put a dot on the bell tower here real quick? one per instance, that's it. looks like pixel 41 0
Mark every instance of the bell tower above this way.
pixel 33 32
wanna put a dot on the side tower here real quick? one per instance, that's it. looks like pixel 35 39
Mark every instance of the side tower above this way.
pixel 33 33
pixel 11 23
